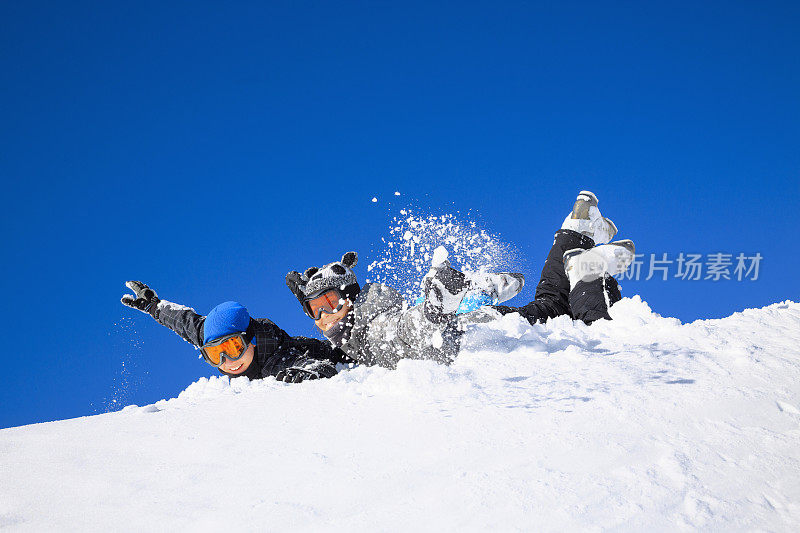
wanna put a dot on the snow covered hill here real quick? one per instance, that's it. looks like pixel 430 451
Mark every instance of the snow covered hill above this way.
pixel 641 423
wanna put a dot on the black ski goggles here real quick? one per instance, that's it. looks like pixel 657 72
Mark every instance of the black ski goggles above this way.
pixel 230 347
pixel 329 302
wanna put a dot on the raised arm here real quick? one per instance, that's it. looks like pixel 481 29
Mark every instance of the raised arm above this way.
pixel 181 319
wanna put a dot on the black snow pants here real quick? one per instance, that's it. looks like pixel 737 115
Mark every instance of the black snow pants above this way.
pixel 588 301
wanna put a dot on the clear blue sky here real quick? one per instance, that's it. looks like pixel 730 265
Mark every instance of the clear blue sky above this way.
pixel 207 148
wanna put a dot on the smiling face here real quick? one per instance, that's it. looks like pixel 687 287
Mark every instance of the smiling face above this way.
pixel 240 365
pixel 327 320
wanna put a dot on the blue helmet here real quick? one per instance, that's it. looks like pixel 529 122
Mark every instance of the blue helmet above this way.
pixel 225 319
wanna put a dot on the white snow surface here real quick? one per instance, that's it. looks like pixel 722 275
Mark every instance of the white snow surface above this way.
pixel 637 424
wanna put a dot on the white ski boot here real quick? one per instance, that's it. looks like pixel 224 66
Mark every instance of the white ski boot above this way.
pixel 445 288
pixel 586 219
pixel 498 286
pixel 587 265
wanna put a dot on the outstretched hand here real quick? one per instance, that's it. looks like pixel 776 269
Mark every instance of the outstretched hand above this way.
pixel 145 299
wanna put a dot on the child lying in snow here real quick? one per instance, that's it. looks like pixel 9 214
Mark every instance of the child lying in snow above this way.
pixel 374 325
pixel 576 277
pixel 238 345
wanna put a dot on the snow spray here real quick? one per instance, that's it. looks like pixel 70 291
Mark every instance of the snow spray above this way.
pixel 406 254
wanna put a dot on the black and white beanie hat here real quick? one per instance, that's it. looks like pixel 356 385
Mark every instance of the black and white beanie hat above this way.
pixel 336 275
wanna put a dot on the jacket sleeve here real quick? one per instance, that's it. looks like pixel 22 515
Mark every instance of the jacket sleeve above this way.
pixel 280 351
pixel 182 320
pixel 320 350
pixel 317 357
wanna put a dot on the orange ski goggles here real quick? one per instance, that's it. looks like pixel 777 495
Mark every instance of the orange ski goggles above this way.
pixel 329 302
pixel 230 347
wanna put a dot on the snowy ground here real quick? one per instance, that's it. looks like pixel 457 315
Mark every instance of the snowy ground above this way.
pixel 636 424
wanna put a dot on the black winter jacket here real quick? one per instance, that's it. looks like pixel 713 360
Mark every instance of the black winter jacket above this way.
pixel 275 349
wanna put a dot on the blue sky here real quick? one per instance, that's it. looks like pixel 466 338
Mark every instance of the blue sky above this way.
pixel 208 148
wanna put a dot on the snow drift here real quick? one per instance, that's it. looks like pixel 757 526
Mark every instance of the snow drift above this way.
pixel 640 423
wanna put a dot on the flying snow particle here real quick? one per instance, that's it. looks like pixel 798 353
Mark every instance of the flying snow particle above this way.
pixel 439 255
pixel 397 193
pixel 436 339
pixel 408 250
pixel 374 199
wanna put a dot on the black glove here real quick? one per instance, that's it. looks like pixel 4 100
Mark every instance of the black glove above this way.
pixel 315 369
pixel 146 299
pixel 295 283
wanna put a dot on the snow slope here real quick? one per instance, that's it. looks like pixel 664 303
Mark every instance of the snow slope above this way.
pixel 641 423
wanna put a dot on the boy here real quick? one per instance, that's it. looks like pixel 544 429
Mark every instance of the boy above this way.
pixel 238 345
pixel 576 277
pixel 374 325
